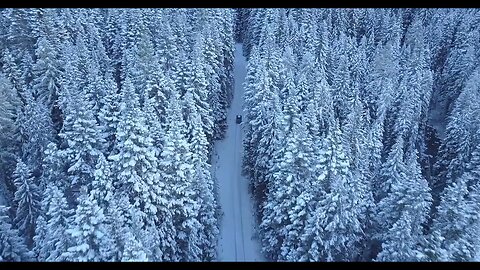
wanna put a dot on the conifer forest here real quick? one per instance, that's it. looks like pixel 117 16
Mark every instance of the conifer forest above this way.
pixel 194 134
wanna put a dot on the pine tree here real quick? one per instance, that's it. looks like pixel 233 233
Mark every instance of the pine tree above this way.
pixel 47 73
pixel 200 87
pixel 133 158
pixel 454 220
pixel 108 116
pixel 261 125
pixel 58 218
pixel 19 36
pixel 383 76
pixel 81 139
pixel 9 139
pixel 27 200
pixel 457 219
pixel 407 204
pixel 217 95
pixel 90 236
pixel 37 132
pixel 39 239
pixel 102 185
pixel 460 135
pixel 203 182
pixel 458 66
pixel 287 202
pixel 54 163
pixel 176 168
pixel 133 250
pixel 337 213
pixel 12 71
pixel 12 246
pixel 253 66
pixel 344 92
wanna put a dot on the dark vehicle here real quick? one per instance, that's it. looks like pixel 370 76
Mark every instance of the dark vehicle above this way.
pixel 239 119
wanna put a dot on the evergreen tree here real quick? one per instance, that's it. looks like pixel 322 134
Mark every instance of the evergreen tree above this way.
pixel 133 158
pixel 27 200
pixel 81 139
pixel 457 219
pixel 177 172
pixel 58 215
pixel 47 73
pixel 39 239
pixel 461 128
pixel 133 250
pixel 9 137
pixel 337 215
pixel 200 87
pixel 12 246
pixel 90 236
pixel 407 204
pixel 108 116
pixel 36 128
pixel 203 182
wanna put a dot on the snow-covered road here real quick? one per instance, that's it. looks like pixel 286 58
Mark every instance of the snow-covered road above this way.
pixel 237 241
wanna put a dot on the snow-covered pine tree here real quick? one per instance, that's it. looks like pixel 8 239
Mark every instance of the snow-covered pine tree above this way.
pixel 203 181
pixel 283 188
pixel 338 212
pixel 27 201
pixel 108 116
pixel 58 217
pixel 36 128
pixel 81 142
pixel 12 71
pixel 459 64
pixel 134 250
pixel 261 125
pixel 177 173
pixel 457 218
pixel 456 222
pixel 90 235
pixel 217 95
pixel 200 87
pixel 39 238
pixel 47 73
pixel 9 136
pixel 132 158
pixel 408 205
pixel 253 67
pixel 12 245
pixel 102 186
pixel 19 36
pixel 461 129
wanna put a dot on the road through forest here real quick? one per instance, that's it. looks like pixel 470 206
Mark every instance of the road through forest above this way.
pixel 237 241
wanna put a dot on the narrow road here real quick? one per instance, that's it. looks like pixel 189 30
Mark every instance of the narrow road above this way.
pixel 237 241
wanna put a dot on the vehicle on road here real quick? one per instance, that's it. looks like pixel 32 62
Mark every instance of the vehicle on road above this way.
pixel 238 119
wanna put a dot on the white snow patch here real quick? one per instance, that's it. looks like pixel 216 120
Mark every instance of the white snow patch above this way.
pixel 435 120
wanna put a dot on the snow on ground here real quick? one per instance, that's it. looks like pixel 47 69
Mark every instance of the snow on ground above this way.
pixel 237 229
pixel 436 120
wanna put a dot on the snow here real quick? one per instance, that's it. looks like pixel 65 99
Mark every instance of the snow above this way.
pixel 237 230
pixel 436 121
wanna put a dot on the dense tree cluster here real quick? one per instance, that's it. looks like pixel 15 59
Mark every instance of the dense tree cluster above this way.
pixel 363 132
pixel 107 119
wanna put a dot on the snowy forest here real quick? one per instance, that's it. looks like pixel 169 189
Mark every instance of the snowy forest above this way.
pixel 361 133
